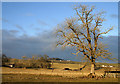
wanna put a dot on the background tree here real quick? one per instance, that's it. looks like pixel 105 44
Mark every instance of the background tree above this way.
pixel 83 32
pixel 5 60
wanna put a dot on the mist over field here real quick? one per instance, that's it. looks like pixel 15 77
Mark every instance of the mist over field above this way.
pixel 17 46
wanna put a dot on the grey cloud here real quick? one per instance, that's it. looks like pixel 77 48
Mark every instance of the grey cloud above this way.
pixel 14 31
pixel 16 47
pixel 114 16
pixel 32 26
pixel 37 29
pixel 19 27
pixel 25 44
pixel 112 44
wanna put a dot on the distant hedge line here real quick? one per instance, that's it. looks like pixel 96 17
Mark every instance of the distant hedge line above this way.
pixel 32 64
pixel 25 62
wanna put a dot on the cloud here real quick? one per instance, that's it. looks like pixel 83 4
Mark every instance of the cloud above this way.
pixel 42 23
pixel 31 25
pixel 29 14
pixel 27 45
pixel 7 36
pixel 37 29
pixel 114 16
pixel 17 47
pixel 19 27
pixel 4 20
pixel 14 31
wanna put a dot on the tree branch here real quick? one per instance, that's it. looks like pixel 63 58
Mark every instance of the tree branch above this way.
pixel 104 32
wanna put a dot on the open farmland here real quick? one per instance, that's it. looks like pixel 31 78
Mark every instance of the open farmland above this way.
pixel 49 75
pixel 49 78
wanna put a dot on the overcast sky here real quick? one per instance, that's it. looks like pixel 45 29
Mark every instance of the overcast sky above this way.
pixel 28 27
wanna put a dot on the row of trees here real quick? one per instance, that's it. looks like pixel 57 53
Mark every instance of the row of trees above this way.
pixel 26 62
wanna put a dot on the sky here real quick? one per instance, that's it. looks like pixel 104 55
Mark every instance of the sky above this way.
pixel 33 17
pixel 28 27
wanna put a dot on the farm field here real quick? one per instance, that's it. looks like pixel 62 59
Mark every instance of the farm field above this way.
pixel 49 78
pixel 49 75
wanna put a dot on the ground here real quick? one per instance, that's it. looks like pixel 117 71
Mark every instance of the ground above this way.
pixel 49 78
pixel 49 75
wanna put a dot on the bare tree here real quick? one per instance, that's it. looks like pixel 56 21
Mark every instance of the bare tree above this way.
pixel 83 32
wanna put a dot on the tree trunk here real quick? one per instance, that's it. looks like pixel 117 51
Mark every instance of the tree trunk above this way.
pixel 93 68
pixel 92 73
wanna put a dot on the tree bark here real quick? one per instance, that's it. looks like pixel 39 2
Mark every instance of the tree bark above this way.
pixel 92 68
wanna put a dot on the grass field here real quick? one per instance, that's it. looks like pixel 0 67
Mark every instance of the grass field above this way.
pixel 49 78
pixel 49 75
